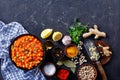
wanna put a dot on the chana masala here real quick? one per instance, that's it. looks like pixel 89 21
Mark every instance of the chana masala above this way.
pixel 26 51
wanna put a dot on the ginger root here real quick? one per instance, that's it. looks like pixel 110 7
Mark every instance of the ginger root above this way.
pixel 106 50
pixel 94 31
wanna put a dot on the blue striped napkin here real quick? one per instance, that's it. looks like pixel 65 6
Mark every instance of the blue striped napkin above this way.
pixel 8 70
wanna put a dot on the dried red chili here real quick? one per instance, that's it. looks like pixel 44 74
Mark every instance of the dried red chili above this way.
pixel 63 74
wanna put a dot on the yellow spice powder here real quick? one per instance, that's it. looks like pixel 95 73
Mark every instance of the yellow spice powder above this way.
pixel 72 51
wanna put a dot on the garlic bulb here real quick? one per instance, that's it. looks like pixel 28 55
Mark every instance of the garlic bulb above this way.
pixel 66 40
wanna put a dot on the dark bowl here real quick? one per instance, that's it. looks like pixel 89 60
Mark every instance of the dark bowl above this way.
pixel 87 64
pixel 58 53
pixel 104 59
pixel 17 39
pixel 49 45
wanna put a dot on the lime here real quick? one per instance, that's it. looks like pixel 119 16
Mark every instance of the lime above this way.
pixel 57 36
pixel 46 33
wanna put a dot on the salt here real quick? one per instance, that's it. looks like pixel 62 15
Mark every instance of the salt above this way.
pixel 49 69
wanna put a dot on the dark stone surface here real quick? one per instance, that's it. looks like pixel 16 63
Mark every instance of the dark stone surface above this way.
pixel 35 15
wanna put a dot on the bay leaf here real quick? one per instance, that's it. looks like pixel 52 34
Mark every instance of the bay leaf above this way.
pixel 69 63
pixel 73 69
pixel 60 62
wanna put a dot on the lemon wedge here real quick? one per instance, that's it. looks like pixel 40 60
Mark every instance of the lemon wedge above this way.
pixel 46 33
pixel 56 36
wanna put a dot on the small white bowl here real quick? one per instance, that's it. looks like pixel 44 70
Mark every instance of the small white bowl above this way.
pixel 49 69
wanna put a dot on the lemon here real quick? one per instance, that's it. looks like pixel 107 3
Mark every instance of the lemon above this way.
pixel 46 33
pixel 56 36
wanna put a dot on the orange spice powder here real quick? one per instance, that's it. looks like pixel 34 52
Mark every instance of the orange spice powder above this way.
pixel 71 51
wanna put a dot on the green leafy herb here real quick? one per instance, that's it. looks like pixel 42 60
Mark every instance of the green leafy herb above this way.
pixel 67 63
pixel 76 31
pixel 73 69
pixel 60 62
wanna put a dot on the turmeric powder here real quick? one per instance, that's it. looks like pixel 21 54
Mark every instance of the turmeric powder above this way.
pixel 71 51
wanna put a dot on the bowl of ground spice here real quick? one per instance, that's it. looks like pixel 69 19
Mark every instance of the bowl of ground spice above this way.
pixel 26 51
pixel 63 74
pixel 71 50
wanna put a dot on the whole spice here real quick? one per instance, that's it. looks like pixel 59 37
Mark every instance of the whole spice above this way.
pixel 67 63
pixel 58 53
pixel 87 72
pixel 63 74
pixel 79 59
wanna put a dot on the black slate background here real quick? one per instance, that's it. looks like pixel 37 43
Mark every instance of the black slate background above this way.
pixel 36 15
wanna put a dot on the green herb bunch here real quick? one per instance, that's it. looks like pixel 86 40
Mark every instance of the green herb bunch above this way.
pixel 76 31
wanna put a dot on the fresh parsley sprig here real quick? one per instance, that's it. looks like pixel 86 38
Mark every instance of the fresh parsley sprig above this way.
pixel 76 31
